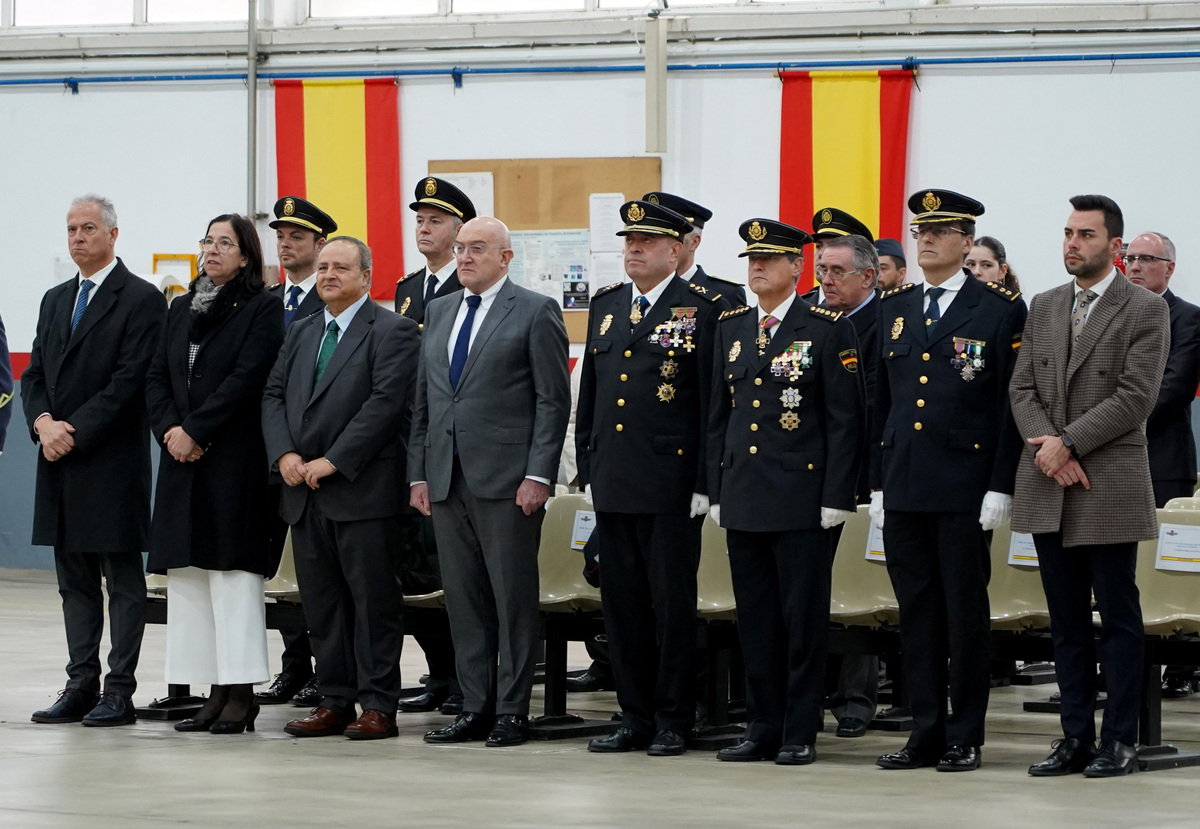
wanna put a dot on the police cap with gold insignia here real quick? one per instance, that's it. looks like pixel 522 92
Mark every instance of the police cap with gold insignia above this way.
pixel 930 206
pixel 648 217
pixel 296 211
pixel 830 223
pixel 435 192
pixel 694 213
pixel 767 236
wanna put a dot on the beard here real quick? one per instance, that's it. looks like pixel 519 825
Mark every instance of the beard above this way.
pixel 1088 268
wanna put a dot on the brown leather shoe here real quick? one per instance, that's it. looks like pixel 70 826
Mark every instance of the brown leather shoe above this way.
pixel 373 725
pixel 322 722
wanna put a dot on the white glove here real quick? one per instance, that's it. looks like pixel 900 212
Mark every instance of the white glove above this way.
pixel 997 510
pixel 832 517
pixel 714 510
pixel 587 495
pixel 699 504
pixel 876 510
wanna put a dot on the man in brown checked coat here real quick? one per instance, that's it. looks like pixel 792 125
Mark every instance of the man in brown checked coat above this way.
pixel 1086 379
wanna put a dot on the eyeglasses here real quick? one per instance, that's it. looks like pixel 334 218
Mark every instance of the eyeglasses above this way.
pixel 835 274
pixel 1144 258
pixel 937 231
pixel 225 245
pixel 476 250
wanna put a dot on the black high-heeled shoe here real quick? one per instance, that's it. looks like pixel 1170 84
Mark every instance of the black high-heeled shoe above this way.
pixel 196 723
pixel 246 723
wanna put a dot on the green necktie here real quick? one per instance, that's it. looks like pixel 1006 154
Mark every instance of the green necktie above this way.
pixel 327 346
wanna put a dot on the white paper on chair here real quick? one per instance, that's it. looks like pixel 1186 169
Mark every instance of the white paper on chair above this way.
pixel 875 545
pixel 1021 551
pixel 1178 548
pixel 585 522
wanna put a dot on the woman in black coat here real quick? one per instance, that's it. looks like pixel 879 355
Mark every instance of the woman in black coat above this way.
pixel 209 530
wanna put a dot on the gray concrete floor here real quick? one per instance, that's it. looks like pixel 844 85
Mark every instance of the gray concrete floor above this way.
pixel 149 775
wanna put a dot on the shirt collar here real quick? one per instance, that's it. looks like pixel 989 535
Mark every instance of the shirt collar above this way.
pixel 304 285
pixel 346 317
pixel 1100 287
pixel 780 312
pixel 488 296
pixel 951 285
pixel 654 293
pixel 99 275
pixel 864 304
pixel 690 273
pixel 444 273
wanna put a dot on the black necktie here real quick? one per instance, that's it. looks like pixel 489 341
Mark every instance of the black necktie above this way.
pixel 430 288
pixel 933 313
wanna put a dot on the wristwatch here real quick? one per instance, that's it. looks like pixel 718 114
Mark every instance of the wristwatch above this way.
pixel 1067 442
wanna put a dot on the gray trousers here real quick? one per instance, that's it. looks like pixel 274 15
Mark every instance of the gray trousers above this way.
pixel 489 550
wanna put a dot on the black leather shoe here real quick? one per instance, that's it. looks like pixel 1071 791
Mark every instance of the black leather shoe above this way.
pixel 112 709
pixel 961 758
pixel 285 686
pixel 309 696
pixel 1071 755
pixel 623 739
pixel 71 706
pixel 1114 759
pixel 588 682
pixel 465 728
pixel 796 756
pixel 851 727
pixel 509 730
pixel 1175 687
pixel 423 703
pixel 747 751
pixel 667 744
pixel 905 758
pixel 453 706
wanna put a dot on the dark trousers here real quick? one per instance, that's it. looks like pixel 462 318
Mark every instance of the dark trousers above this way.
pixel 781 583
pixel 648 592
pixel 940 564
pixel 851 679
pixel 79 577
pixel 297 651
pixel 1070 575
pixel 488 550
pixel 353 605
pixel 1166 490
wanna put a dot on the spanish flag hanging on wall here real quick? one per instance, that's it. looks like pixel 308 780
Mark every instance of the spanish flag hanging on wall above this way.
pixel 337 144
pixel 844 143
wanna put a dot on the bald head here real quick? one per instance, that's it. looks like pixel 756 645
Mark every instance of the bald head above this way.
pixel 483 250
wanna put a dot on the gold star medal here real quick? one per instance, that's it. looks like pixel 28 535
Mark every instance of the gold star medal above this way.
pixel 635 315
pixel 735 350
pixel 605 323
pixel 897 327
pixel 666 393
pixel 789 421
pixel 667 370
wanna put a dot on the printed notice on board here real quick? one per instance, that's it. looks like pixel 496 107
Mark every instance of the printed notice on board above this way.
pixel 553 263
pixel 585 522
pixel 875 544
pixel 1021 551
pixel 1178 548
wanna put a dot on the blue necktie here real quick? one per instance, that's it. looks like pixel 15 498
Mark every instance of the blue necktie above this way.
pixel 430 287
pixel 933 313
pixel 292 305
pixel 85 287
pixel 462 345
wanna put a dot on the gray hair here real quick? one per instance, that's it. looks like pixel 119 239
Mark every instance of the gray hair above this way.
pixel 364 252
pixel 108 213
pixel 863 253
pixel 1167 245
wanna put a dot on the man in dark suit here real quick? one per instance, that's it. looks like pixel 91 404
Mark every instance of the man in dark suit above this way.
pixel 301 229
pixel 640 430
pixel 334 414
pixel 1150 262
pixel 848 271
pixel 441 209
pixel 85 402
pixel 832 223
pixel 944 454
pixel 783 452
pixel 6 386
pixel 493 398
pixel 1089 373
pixel 689 269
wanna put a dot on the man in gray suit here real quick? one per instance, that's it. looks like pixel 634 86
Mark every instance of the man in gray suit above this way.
pixel 334 413
pixel 1086 379
pixel 493 398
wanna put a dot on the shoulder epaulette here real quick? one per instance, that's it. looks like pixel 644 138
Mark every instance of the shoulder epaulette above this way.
pixel 733 312
pixel 905 287
pixel 409 276
pixel 704 292
pixel 832 316
pixel 726 281
pixel 1007 293
pixel 607 288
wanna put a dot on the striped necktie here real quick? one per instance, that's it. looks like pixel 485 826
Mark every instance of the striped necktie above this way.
pixel 85 288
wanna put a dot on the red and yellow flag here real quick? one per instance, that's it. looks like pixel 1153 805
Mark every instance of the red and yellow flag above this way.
pixel 844 143
pixel 337 144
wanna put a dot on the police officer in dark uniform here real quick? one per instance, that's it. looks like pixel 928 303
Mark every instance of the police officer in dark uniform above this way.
pixel 441 209
pixel 832 223
pixel 783 457
pixel 301 229
pixel 944 458
pixel 640 428
pixel 689 269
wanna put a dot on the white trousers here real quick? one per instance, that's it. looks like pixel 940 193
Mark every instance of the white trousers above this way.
pixel 216 627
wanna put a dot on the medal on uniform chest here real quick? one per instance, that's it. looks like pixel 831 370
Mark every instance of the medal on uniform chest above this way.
pixel 605 324
pixel 792 362
pixel 735 350
pixel 790 421
pixel 897 327
pixel 666 393
pixel 762 341
pixel 968 357
pixel 635 315
pixel 667 370
pixel 790 398
pixel 404 307
pixel 676 331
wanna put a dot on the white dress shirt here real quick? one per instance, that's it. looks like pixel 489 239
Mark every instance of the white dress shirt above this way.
pixel 1099 288
pixel 97 279
pixel 442 274
pixel 652 295
pixel 305 287
pixel 952 286
pixel 343 319
pixel 779 313
pixel 485 303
